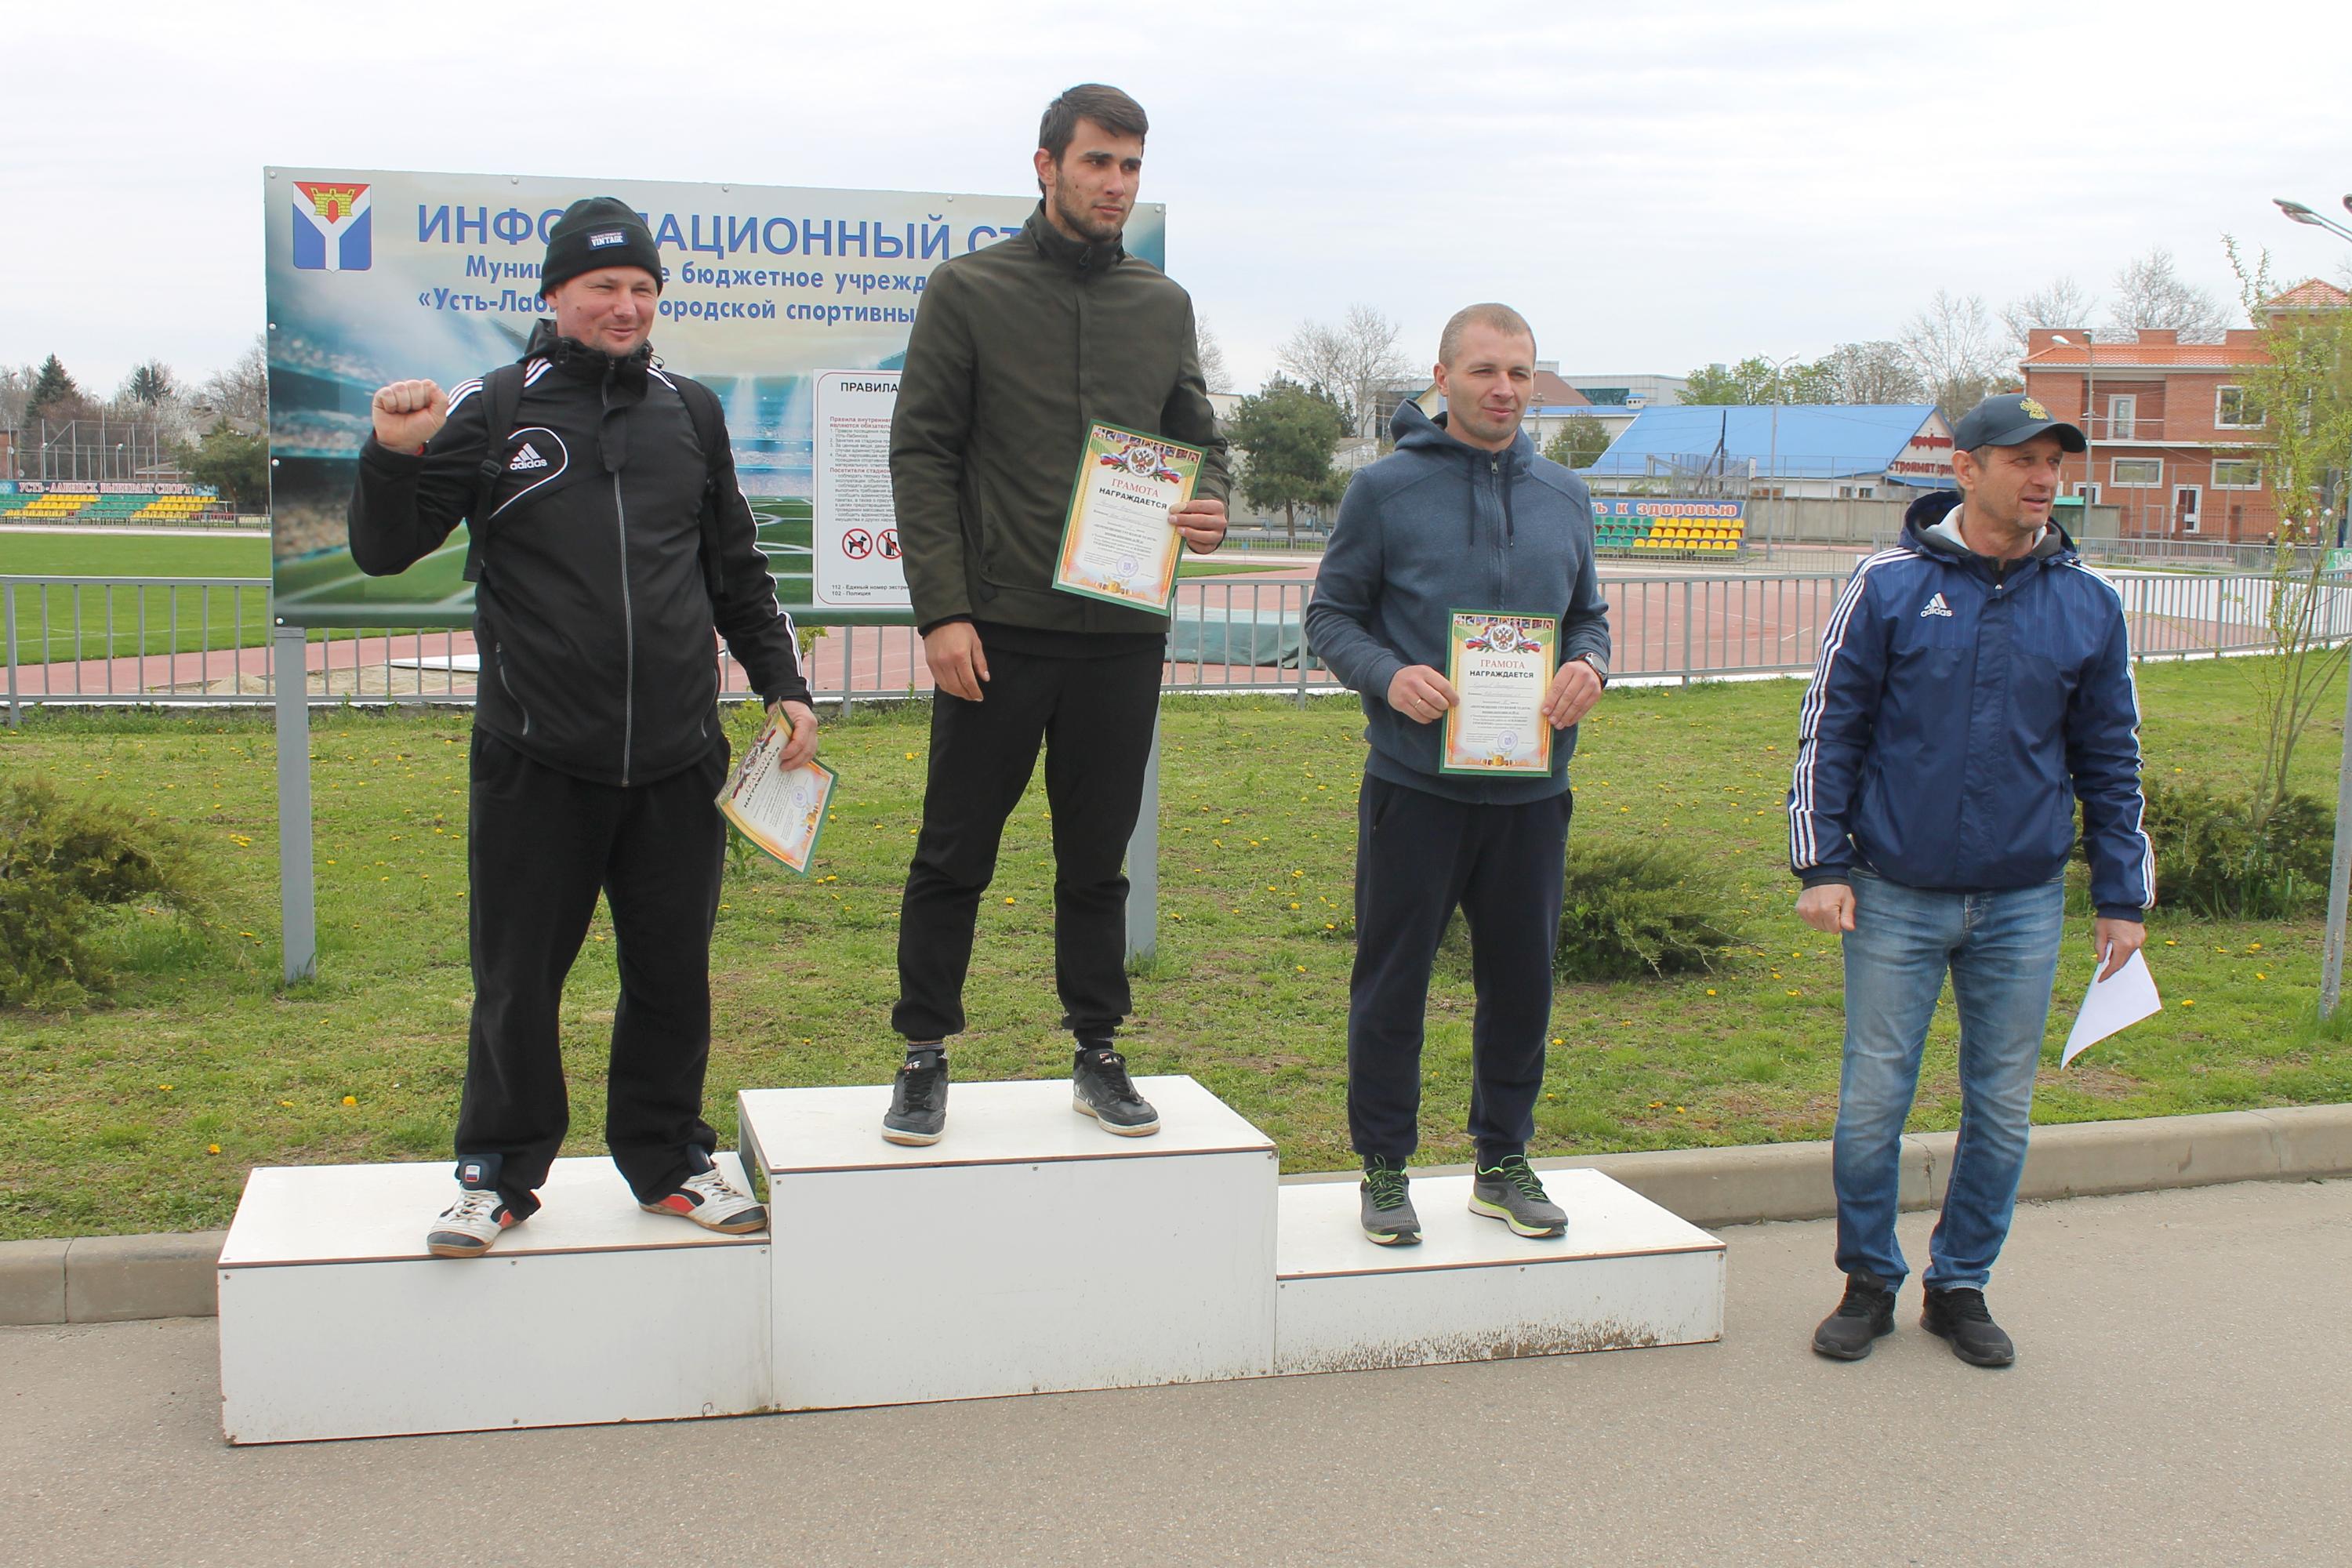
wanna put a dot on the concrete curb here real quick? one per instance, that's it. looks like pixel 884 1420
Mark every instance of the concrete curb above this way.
pixel 123 1278
pixel 108 1279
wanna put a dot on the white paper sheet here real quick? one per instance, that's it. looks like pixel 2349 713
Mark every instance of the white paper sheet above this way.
pixel 2112 1004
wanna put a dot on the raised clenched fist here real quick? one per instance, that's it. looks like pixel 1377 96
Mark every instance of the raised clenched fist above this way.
pixel 408 413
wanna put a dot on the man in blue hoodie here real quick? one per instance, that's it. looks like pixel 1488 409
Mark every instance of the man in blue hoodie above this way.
pixel 1463 517
pixel 1974 684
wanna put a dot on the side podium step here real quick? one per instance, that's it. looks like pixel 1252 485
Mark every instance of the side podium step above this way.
pixel 1627 1274
pixel 334 1321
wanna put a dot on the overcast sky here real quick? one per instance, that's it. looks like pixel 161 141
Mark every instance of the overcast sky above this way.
pixel 1657 184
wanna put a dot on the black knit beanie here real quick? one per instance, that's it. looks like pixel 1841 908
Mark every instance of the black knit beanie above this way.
pixel 594 232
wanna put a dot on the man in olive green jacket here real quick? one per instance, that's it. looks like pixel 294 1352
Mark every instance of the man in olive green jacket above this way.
pixel 1017 349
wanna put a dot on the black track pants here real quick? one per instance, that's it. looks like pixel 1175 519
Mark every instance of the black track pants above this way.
pixel 1417 856
pixel 1093 716
pixel 540 845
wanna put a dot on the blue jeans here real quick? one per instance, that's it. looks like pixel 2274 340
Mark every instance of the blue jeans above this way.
pixel 2001 950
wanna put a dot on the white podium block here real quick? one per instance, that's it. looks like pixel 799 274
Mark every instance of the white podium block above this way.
pixel 334 1321
pixel 1028 1251
pixel 1628 1273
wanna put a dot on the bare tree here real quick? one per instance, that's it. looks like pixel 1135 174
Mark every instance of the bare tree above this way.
pixel 1213 358
pixel 2061 302
pixel 1875 372
pixel 2149 293
pixel 15 390
pixel 239 394
pixel 1349 360
pixel 1952 347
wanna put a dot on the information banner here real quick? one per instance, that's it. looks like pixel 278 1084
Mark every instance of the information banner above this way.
pixel 375 276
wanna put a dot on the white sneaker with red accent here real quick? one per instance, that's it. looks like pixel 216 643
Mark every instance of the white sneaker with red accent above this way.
pixel 467 1226
pixel 710 1201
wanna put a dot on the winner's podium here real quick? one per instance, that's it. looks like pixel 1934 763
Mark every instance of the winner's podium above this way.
pixel 1028 1251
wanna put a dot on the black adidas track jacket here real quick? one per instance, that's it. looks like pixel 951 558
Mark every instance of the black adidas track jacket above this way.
pixel 593 615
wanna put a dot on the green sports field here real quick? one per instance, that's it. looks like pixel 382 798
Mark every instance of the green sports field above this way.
pixel 55 623
pixel 328 579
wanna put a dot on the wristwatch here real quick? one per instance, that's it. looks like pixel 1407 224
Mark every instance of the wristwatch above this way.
pixel 1594 665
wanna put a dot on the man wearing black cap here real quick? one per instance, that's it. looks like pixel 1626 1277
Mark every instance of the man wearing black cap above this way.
pixel 607 539
pixel 1974 683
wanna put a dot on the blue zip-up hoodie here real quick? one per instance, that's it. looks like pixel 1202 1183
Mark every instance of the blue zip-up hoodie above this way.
pixel 1959 710
pixel 1438 526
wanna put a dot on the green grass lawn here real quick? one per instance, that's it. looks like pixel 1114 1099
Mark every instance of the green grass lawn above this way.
pixel 109 1119
pixel 192 554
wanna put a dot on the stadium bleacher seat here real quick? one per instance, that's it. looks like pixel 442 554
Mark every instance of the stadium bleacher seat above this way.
pixel 143 507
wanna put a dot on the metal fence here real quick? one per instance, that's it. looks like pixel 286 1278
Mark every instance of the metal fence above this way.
pixel 95 641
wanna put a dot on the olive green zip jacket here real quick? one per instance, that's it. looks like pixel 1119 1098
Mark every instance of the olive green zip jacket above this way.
pixel 1016 350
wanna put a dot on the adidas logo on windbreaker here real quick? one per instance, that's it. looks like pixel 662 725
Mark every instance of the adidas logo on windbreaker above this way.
pixel 529 458
pixel 1934 607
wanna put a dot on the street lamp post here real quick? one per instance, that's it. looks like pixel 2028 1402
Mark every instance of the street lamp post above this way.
pixel 2339 872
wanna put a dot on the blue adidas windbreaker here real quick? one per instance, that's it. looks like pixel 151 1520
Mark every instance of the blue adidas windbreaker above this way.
pixel 1956 717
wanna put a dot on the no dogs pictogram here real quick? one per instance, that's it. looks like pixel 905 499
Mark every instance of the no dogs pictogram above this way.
pixel 858 545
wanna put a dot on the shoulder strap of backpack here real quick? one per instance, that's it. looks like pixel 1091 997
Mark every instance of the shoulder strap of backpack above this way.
pixel 710 430
pixel 501 396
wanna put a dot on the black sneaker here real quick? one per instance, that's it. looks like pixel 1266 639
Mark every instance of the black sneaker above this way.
pixel 1388 1217
pixel 1101 1088
pixel 1510 1191
pixel 1959 1317
pixel 1862 1319
pixel 919 1101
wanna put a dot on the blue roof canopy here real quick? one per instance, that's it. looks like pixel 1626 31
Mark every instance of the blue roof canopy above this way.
pixel 1792 440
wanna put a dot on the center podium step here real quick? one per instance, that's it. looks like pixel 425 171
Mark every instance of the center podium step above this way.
pixel 1028 1251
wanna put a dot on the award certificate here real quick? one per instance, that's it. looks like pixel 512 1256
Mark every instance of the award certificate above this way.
pixel 782 811
pixel 1118 543
pixel 1500 666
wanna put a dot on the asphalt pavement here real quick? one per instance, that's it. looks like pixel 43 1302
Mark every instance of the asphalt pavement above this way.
pixel 2180 1396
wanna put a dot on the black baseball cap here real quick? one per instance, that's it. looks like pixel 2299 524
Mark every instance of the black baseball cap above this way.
pixel 2011 420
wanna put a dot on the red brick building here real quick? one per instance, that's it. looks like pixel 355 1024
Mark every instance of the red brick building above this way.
pixel 2172 443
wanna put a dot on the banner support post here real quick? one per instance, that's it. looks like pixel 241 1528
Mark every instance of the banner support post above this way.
pixel 297 901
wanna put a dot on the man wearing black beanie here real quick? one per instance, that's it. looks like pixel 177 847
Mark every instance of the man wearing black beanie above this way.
pixel 607 539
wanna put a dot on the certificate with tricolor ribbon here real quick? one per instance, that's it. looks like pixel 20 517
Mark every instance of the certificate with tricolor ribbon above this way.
pixel 1500 666
pixel 1118 543
pixel 782 810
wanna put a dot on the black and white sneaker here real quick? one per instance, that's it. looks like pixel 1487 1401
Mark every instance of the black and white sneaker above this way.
pixel 919 1101
pixel 1101 1088
pixel 1388 1215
